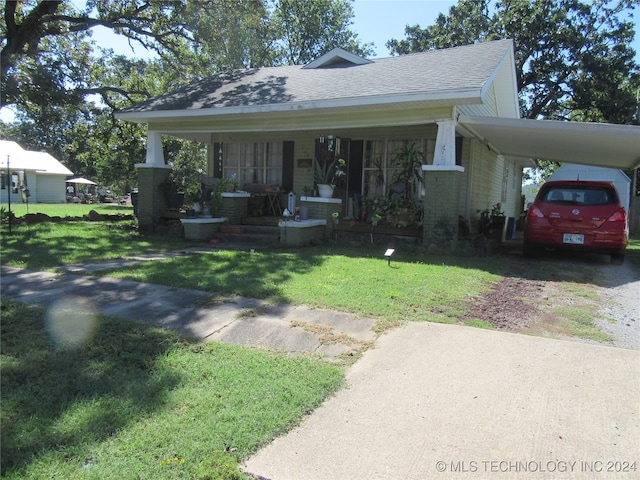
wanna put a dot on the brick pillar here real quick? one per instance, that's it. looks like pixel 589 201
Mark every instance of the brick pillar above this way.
pixel 441 204
pixel 151 198
pixel 235 207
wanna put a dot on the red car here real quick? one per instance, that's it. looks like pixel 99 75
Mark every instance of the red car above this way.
pixel 577 215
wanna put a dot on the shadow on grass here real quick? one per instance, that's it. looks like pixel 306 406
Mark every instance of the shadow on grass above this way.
pixel 572 266
pixel 47 245
pixel 557 266
pixel 230 272
pixel 57 399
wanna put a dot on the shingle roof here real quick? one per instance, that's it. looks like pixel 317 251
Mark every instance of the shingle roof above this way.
pixel 21 159
pixel 467 68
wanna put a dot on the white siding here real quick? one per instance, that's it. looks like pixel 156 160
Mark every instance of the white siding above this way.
pixel 493 179
pixel 50 189
pixel 488 108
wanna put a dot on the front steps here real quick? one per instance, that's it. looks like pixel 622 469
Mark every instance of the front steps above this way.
pixel 251 236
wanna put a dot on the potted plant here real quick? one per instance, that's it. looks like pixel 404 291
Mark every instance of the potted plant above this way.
pixel 327 175
pixel 408 161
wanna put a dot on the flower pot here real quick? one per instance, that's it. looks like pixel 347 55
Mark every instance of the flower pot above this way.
pixel 325 191
pixel 304 213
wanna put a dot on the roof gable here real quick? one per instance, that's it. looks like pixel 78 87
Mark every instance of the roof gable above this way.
pixel 337 57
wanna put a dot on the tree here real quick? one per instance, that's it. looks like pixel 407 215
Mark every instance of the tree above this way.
pixel 306 30
pixel 573 59
pixel 65 88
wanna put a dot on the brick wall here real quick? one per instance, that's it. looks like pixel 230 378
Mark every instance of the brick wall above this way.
pixel 442 205
pixel 151 198
pixel 234 208
pixel 322 209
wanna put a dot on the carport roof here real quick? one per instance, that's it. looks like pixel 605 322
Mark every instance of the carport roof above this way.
pixel 599 144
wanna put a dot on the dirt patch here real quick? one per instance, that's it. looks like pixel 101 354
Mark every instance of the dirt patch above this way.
pixel 588 292
pixel 513 304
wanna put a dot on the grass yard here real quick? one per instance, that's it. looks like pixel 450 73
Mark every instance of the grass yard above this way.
pixel 140 402
pixel 47 245
pixel 347 279
pixel 633 251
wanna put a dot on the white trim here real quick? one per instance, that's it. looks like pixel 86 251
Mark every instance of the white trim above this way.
pixel 336 54
pixel 302 223
pixel 204 220
pixel 320 200
pixel 155 154
pixel 444 152
pixel 438 98
pixel 148 165
pixel 235 194
pixel 442 168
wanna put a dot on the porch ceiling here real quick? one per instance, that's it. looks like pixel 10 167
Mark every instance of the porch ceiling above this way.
pixel 599 144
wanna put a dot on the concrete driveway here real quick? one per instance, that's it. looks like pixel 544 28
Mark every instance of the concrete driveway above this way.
pixel 444 401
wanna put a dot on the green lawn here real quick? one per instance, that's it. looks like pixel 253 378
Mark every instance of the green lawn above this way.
pixel 415 288
pixel 49 244
pixel 141 402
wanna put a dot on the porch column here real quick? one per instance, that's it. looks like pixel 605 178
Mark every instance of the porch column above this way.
pixel 443 183
pixel 151 176
pixel 445 150
pixel 155 155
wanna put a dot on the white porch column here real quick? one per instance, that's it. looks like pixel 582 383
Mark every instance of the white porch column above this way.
pixel 151 176
pixel 155 155
pixel 445 151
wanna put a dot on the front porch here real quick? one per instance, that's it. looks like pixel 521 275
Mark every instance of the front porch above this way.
pixel 312 221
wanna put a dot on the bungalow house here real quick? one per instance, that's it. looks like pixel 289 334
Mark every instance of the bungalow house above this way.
pixel 36 177
pixel 458 107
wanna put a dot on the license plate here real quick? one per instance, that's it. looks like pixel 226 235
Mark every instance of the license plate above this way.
pixel 573 238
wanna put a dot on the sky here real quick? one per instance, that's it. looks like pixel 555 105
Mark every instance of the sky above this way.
pixel 375 21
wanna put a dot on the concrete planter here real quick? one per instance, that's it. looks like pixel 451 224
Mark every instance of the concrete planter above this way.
pixel 322 209
pixel 300 233
pixel 201 228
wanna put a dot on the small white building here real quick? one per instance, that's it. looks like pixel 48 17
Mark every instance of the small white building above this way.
pixel 36 173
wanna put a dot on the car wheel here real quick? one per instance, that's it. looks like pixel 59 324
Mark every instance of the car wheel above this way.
pixel 617 258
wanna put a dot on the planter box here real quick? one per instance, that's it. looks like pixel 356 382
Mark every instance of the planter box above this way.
pixel 298 234
pixel 201 228
pixel 322 208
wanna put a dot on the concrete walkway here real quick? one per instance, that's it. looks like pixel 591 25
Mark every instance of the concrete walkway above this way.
pixel 444 401
pixel 242 321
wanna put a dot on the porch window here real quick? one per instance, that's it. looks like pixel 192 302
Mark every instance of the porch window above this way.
pixel 254 162
pixel 379 170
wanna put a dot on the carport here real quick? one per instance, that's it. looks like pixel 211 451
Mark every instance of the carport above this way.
pixel 597 144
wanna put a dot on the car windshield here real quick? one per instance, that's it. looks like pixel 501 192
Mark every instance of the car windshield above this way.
pixel 580 195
